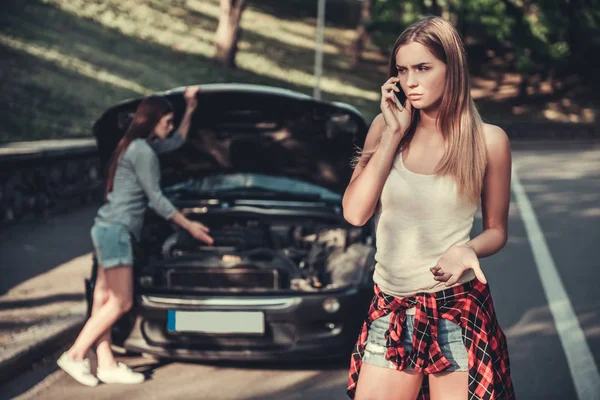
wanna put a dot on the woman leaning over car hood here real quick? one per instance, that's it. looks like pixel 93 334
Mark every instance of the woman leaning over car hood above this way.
pixel 133 181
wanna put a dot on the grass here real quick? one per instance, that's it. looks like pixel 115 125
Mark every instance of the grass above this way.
pixel 65 61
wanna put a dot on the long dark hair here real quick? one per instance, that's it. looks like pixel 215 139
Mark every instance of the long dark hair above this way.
pixel 147 116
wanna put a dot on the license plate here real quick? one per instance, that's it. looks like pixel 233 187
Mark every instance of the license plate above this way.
pixel 216 322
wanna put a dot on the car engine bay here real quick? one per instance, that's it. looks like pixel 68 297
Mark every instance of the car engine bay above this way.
pixel 253 254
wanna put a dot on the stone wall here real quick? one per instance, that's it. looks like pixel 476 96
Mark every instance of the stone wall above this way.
pixel 38 183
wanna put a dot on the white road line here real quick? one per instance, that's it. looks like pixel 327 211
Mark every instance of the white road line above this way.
pixel 579 357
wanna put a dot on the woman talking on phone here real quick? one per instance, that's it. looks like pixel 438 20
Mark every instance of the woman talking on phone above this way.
pixel 428 162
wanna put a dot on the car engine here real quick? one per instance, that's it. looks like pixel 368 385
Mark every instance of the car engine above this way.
pixel 253 255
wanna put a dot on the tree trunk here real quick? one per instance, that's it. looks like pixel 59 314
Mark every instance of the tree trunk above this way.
pixel 574 31
pixel 358 45
pixel 523 87
pixel 228 31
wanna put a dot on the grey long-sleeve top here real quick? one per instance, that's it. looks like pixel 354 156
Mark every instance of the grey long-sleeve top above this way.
pixel 137 184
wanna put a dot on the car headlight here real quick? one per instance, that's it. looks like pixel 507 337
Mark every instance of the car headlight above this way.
pixel 146 280
pixel 331 305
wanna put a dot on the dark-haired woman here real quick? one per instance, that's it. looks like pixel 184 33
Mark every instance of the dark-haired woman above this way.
pixel 133 182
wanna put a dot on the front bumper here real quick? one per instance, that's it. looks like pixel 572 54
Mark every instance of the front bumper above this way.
pixel 296 327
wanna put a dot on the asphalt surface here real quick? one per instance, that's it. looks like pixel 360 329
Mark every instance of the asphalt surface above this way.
pixel 563 186
pixel 31 248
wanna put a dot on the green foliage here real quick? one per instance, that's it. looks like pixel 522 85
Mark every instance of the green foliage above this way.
pixel 544 35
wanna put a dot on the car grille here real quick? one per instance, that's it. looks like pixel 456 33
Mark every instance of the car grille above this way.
pixel 223 278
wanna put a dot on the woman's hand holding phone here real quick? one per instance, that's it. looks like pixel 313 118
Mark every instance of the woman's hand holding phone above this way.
pixel 396 115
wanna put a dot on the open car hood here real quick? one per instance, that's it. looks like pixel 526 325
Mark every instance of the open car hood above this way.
pixel 240 128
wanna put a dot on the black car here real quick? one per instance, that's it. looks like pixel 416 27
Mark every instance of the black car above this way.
pixel 287 277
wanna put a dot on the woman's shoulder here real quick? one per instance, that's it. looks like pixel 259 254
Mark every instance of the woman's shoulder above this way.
pixel 378 122
pixel 495 137
pixel 497 146
pixel 377 126
pixel 138 149
pixel 139 146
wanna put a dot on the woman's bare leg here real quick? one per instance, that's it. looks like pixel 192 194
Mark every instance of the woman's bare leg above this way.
pixel 449 386
pixel 380 383
pixel 106 358
pixel 120 298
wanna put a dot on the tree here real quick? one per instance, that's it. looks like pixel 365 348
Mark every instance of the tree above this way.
pixel 358 44
pixel 228 31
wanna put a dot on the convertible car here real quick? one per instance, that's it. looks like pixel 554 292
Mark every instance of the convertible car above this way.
pixel 287 277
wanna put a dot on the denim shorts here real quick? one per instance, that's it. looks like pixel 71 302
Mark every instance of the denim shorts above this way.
pixel 112 243
pixel 449 338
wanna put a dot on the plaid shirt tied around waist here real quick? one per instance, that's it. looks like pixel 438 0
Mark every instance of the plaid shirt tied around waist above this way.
pixel 470 306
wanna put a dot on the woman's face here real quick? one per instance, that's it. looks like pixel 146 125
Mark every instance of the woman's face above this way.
pixel 422 75
pixel 164 126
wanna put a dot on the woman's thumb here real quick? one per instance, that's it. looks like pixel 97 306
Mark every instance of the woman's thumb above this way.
pixel 479 273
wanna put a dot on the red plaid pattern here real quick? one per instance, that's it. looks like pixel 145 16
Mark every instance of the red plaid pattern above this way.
pixel 470 306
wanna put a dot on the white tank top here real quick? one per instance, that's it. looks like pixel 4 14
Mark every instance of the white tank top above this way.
pixel 418 218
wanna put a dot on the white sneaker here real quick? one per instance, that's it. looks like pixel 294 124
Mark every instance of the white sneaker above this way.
pixel 120 374
pixel 79 370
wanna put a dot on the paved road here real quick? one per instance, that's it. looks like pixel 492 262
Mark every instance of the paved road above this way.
pixel 563 185
pixel 31 248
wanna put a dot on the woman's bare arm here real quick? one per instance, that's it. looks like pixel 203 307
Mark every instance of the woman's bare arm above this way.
pixel 362 194
pixel 495 199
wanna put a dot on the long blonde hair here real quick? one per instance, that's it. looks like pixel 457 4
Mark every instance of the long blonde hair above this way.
pixel 458 119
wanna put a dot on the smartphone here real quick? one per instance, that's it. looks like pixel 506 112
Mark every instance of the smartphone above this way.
pixel 400 97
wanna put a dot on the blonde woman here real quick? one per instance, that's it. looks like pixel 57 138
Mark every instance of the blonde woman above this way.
pixel 428 162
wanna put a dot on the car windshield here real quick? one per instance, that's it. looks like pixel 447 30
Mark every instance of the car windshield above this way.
pixel 249 185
